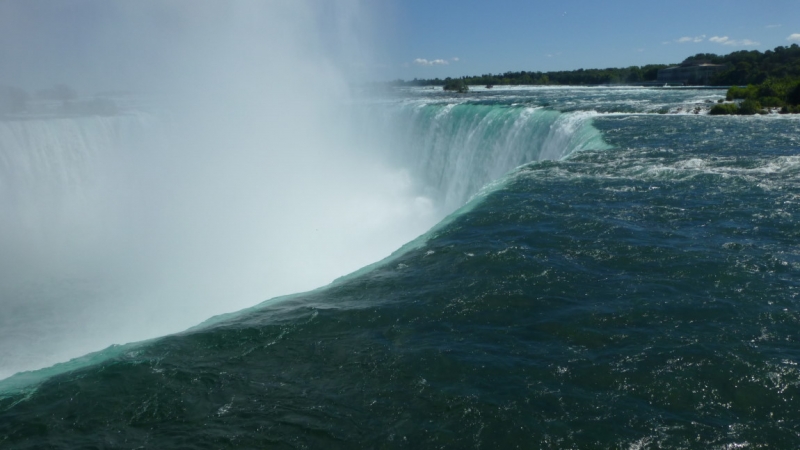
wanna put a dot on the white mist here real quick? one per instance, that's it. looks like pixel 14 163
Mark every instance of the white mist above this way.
pixel 242 182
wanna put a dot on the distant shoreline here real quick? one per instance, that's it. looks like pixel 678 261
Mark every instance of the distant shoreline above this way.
pixel 739 68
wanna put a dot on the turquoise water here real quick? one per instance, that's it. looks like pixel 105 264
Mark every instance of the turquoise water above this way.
pixel 617 278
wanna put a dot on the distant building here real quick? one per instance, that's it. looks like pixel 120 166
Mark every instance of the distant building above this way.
pixel 689 74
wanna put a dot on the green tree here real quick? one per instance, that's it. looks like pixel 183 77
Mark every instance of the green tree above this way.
pixel 459 85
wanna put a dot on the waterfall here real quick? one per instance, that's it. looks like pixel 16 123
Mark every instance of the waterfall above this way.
pixel 454 149
pixel 126 227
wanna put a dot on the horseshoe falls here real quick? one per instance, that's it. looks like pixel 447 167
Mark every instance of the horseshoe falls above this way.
pixel 545 268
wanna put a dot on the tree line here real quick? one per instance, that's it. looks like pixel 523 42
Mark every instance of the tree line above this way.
pixel 742 68
pixel 752 66
pixel 783 93
pixel 633 74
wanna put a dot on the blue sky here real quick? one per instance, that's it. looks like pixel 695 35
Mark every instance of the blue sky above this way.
pixel 469 37
pixel 104 44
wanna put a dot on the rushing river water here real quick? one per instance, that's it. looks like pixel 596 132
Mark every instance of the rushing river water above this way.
pixel 617 272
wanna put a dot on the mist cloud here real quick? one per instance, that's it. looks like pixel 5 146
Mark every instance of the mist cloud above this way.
pixel 234 176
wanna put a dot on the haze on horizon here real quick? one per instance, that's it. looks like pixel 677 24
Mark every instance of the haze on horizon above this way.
pixel 151 46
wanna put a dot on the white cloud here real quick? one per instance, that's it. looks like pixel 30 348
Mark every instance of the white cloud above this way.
pixel 774 26
pixel 686 39
pixel 455 59
pixel 793 37
pixel 725 40
pixel 432 62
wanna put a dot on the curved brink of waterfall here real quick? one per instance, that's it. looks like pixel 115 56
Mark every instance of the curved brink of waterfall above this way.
pixel 455 153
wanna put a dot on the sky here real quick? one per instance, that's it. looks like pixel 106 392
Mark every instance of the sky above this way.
pixel 97 45
pixel 469 37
